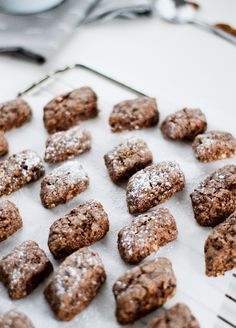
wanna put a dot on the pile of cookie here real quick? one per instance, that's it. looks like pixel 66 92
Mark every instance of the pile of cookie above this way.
pixel 77 280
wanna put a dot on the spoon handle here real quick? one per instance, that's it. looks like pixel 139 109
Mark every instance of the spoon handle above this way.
pixel 219 32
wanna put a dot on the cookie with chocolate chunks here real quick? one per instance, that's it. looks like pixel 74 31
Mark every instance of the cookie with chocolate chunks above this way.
pixel 10 219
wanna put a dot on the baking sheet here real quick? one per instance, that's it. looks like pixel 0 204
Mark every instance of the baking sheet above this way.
pixel 202 294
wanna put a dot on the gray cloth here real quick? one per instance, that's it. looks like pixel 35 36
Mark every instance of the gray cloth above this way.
pixel 39 36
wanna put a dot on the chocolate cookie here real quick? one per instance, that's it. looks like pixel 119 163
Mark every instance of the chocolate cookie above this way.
pixel 82 226
pixel 66 144
pixel 143 289
pixel 19 170
pixel 134 114
pixel 3 144
pixel 10 219
pixel 184 124
pixel 178 316
pixel 220 248
pixel 213 146
pixel 146 234
pixel 215 198
pixel 127 158
pixel 23 269
pixel 63 184
pixel 14 114
pixel 67 110
pixel 15 319
pixel 75 283
pixel 154 185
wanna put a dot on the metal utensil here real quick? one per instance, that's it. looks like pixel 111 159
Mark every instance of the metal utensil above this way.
pixel 182 12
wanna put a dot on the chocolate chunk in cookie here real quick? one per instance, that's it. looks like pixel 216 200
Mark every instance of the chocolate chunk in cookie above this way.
pixel 184 124
pixel 146 234
pixel 82 226
pixel 14 114
pixel 154 185
pixel 178 316
pixel 23 269
pixel 10 219
pixel 213 146
pixel 66 144
pixel 220 248
pixel 134 114
pixel 75 283
pixel 3 144
pixel 62 184
pixel 215 198
pixel 67 110
pixel 143 289
pixel 127 158
pixel 19 170
pixel 15 319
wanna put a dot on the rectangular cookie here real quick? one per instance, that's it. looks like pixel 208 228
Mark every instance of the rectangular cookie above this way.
pixel 23 269
pixel 215 198
pixel 15 319
pixel 67 110
pixel 146 234
pixel 66 144
pixel 18 170
pixel 82 226
pixel 134 114
pixel 220 248
pixel 14 114
pixel 127 158
pixel 10 219
pixel 178 316
pixel 154 185
pixel 62 184
pixel 75 283
pixel 143 289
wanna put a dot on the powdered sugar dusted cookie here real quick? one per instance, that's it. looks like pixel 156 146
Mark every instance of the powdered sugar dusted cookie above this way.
pixel 220 248
pixel 3 144
pixel 19 170
pixel 215 198
pixel 10 219
pixel 178 316
pixel 146 234
pixel 154 185
pixel 143 289
pixel 214 145
pixel 63 145
pixel 127 158
pixel 134 114
pixel 82 226
pixel 24 268
pixel 63 183
pixel 75 283
pixel 67 110
pixel 15 319
pixel 14 114
pixel 184 124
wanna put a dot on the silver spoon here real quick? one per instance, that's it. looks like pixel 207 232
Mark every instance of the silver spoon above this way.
pixel 182 12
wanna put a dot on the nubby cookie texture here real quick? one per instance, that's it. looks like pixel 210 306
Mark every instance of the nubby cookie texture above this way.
pixel 66 144
pixel 146 234
pixel 10 219
pixel 134 114
pixel 62 184
pixel 15 319
pixel 143 289
pixel 19 170
pixel 67 110
pixel 215 198
pixel 220 248
pixel 3 144
pixel 24 268
pixel 154 185
pixel 127 158
pixel 75 283
pixel 82 226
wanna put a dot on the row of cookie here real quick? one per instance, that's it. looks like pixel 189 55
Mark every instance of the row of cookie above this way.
pixel 79 277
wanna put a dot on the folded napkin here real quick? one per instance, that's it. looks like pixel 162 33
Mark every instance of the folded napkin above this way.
pixel 37 37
